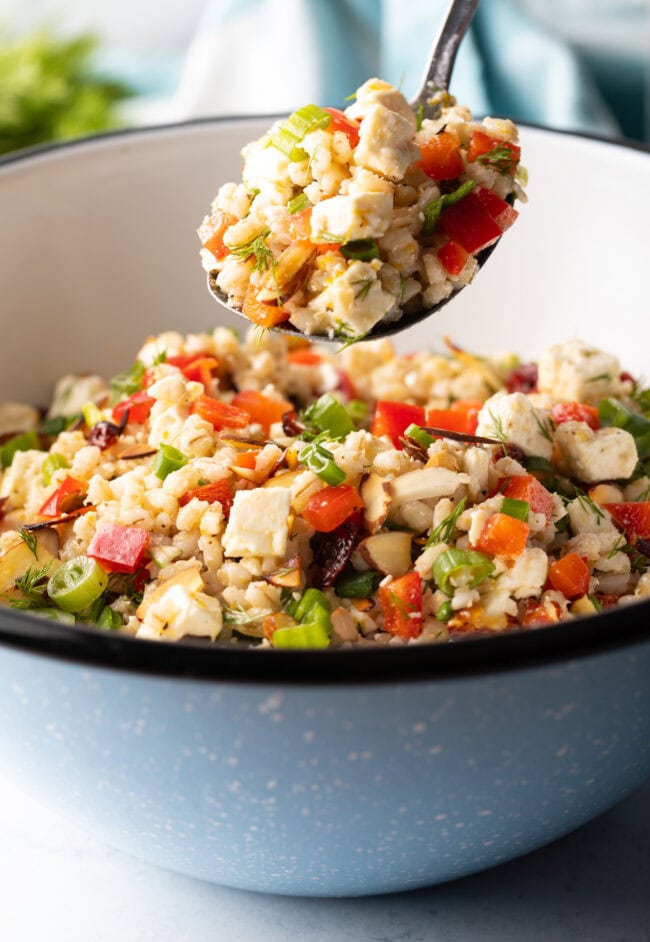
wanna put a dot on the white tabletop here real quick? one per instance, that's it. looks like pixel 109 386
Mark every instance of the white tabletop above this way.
pixel 61 885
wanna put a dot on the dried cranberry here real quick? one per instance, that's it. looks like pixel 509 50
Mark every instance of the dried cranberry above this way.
pixel 104 434
pixel 523 379
pixel 643 546
pixel 334 550
pixel 514 452
pixel 290 425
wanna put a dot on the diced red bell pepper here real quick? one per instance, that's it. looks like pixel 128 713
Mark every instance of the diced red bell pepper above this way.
pixel 469 223
pixel 453 257
pixel 575 412
pixel 535 613
pixel 118 548
pixel 346 386
pixel 523 379
pixel 570 576
pixel 138 407
pixel 502 213
pixel 341 122
pixel 440 157
pixel 261 313
pixel 481 143
pixel 212 231
pixel 503 535
pixel 329 507
pixel 220 414
pixel 401 603
pixel 526 487
pixel 304 357
pixel 262 409
pixel 392 419
pixel 220 491
pixel 68 496
pixel 633 517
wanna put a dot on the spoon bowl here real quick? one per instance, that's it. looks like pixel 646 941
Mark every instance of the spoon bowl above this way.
pixel 435 82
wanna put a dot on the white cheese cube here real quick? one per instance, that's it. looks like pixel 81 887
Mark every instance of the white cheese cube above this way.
pixel 356 216
pixel 386 143
pixel 514 419
pixel 258 524
pixel 577 372
pixel 605 455
pixel 355 300
pixel 526 576
pixel 180 612
pixel 377 92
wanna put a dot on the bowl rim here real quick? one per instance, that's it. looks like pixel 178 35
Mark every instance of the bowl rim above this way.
pixel 596 635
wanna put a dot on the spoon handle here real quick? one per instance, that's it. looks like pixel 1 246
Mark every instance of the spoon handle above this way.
pixel 443 52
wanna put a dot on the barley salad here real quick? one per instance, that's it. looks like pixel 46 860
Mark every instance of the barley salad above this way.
pixel 267 492
pixel 346 219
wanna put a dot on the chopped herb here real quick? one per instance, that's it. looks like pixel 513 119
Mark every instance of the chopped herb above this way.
pixel 445 529
pixel 500 157
pixel 617 547
pixel 419 116
pixel 543 428
pixel 597 379
pixel 402 290
pixel 433 209
pixel 597 604
pixel 32 585
pixel 365 284
pixel 129 382
pixel 497 422
pixel 589 505
pixel 53 426
pixel 159 358
pixel 30 540
pixel 332 237
pixel 297 204
pixel 264 258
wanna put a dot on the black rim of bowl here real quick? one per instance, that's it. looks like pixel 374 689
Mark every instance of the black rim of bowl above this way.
pixel 511 650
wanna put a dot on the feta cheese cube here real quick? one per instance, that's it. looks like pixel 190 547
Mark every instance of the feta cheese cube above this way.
pixel 386 143
pixel 605 455
pixel 258 524
pixel 377 92
pixel 577 372
pixel 513 418
pixel 356 216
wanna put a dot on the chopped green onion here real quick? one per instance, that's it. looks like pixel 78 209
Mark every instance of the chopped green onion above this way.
pixel 614 413
pixel 52 463
pixel 419 436
pixel 76 584
pixel 519 509
pixel 357 585
pixel 361 250
pixel 297 126
pixel 297 204
pixel 167 459
pixel 357 410
pixel 53 426
pixel 320 461
pixel 24 442
pixel 456 569
pixel 327 414
pixel 287 143
pixel 92 415
pixel 433 209
pixel 445 611
pixel 312 612
pixel 109 619
pixel 125 384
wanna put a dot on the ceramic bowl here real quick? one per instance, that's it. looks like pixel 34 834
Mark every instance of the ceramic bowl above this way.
pixel 339 772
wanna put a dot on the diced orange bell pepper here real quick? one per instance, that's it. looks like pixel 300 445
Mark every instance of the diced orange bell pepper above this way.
pixel 470 409
pixel 451 420
pixel 570 576
pixel 304 357
pixel 220 491
pixel 220 414
pixel 538 613
pixel 68 496
pixel 212 231
pixel 262 313
pixel 197 367
pixel 341 122
pixel 300 224
pixel 328 508
pixel 526 487
pixel 503 535
pixel 401 603
pixel 247 459
pixel 392 419
pixel 265 410
pixel 440 156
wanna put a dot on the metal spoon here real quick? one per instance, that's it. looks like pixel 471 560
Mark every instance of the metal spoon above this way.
pixel 436 79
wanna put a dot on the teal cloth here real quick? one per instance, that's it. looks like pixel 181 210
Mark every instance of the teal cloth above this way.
pixel 508 64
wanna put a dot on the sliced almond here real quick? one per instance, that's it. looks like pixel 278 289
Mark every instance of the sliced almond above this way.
pixel 288 575
pixel 390 553
pixel 137 451
pixel 285 479
pixel 189 579
pixel 425 484
pixel 376 496
pixel 286 268
pixel 442 459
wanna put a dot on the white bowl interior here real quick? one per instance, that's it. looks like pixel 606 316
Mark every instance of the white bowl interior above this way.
pixel 98 250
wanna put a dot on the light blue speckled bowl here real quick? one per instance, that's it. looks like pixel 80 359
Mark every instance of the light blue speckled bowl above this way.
pixel 342 772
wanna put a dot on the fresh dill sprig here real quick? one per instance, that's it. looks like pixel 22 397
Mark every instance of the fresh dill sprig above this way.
pixel 257 247
pixel 599 377
pixel 544 430
pixel 497 423
pixel 620 544
pixel 365 284
pixel 30 540
pixel 238 616
pixel 419 116
pixel 32 586
pixel 500 157
pixel 589 505
pixel 445 529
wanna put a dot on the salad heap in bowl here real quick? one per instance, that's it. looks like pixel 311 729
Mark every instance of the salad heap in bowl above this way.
pixel 343 220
